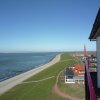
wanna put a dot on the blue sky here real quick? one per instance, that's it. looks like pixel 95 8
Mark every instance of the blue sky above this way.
pixel 46 25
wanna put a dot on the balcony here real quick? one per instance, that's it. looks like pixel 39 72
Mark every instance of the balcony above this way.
pixel 91 89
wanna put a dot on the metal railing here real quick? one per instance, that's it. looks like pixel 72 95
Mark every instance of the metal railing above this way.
pixel 89 88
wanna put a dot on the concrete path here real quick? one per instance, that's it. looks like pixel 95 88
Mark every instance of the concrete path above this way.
pixel 38 80
pixel 10 83
pixel 66 60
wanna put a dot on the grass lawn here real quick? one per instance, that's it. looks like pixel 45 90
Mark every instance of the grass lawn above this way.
pixel 40 90
pixel 75 90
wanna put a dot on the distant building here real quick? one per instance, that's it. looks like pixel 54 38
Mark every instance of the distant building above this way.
pixel 79 79
pixel 78 54
pixel 78 70
pixel 74 74
pixel 69 74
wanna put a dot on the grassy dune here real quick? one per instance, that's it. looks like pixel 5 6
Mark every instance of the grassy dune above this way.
pixel 39 90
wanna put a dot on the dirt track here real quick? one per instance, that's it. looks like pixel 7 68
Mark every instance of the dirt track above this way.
pixel 57 91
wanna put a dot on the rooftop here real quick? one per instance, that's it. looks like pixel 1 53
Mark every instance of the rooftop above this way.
pixel 79 67
pixel 96 27
pixel 69 72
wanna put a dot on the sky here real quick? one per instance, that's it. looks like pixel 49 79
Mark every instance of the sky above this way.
pixel 47 25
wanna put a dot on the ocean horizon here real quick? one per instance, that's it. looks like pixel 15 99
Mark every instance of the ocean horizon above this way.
pixel 12 64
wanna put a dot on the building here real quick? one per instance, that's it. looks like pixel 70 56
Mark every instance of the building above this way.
pixel 92 79
pixel 74 74
pixel 79 79
pixel 78 70
pixel 69 74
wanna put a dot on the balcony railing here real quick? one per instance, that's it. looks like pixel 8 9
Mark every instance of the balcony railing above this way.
pixel 89 88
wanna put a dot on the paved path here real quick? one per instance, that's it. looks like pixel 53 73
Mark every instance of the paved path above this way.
pixel 10 83
pixel 38 80
pixel 66 60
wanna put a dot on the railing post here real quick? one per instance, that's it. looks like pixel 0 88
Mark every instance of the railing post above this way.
pixel 87 94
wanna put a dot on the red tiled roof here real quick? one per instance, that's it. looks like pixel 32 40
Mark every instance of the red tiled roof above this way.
pixel 78 69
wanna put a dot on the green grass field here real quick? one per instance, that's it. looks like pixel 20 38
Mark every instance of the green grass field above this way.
pixel 75 90
pixel 39 90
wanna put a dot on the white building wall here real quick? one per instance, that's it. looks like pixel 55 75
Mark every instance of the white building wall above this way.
pixel 98 61
pixel 69 80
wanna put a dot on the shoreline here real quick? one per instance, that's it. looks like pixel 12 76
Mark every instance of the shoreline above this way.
pixel 6 85
pixel 21 72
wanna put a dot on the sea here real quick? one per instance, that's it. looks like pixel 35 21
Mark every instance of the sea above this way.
pixel 12 64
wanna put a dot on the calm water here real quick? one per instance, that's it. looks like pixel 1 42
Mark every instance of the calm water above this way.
pixel 12 64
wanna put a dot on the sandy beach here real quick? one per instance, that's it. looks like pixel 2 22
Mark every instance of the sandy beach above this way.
pixel 10 83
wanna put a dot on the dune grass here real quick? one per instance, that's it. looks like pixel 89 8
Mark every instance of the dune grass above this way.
pixel 40 90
